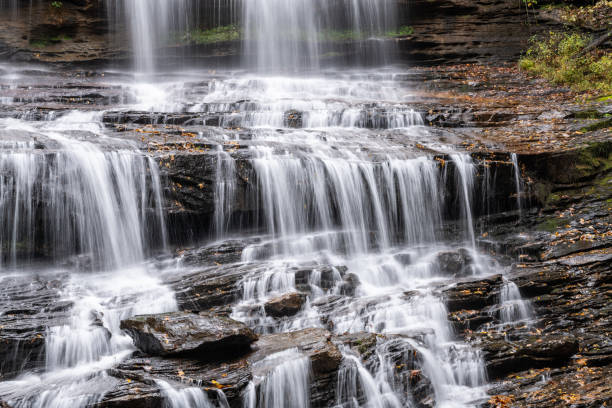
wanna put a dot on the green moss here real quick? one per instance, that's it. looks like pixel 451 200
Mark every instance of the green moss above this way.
pixel 402 31
pixel 212 35
pixel 595 158
pixel 602 124
pixel 604 98
pixel 588 114
pixel 38 43
pixel 551 224
pixel 42 42
pixel 555 57
pixel 234 33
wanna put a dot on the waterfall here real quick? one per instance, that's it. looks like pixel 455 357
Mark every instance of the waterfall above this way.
pixel 287 385
pixel 513 308
pixel 225 189
pixel 517 181
pixel 465 176
pixel 83 189
pixel 291 36
pixel 188 397
pixel 151 25
pixel 85 203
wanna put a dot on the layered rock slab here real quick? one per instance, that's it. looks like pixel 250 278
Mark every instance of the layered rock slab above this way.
pixel 176 333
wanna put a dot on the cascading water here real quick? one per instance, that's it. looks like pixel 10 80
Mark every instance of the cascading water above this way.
pixel 345 207
pixel 85 203
pixel 287 385
pixel 82 187
pixel 517 181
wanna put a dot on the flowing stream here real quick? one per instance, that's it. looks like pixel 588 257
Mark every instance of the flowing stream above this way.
pixel 350 192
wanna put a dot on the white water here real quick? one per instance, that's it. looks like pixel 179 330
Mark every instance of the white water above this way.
pixel 513 308
pixel 353 200
pixel 281 380
pixel 150 24
pixel 349 194
pixel 188 397
pixel 97 192
pixel 517 181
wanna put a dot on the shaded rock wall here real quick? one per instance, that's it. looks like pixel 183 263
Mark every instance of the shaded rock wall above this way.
pixel 445 31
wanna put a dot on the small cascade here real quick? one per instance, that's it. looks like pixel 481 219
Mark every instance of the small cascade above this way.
pixel 513 308
pixel 82 187
pixel 281 380
pixel 348 192
pixel 188 397
pixel 465 179
pixel 225 190
pixel 357 387
pixel 517 181
pixel 91 207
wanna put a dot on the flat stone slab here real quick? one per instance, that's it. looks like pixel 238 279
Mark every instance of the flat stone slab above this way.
pixel 177 333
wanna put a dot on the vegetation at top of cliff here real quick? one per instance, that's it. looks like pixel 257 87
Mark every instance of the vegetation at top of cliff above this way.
pixel 597 16
pixel 559 57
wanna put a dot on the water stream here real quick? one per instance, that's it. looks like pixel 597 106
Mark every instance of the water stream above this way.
pixel 349 201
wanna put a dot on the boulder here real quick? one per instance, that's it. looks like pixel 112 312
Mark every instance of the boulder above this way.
pixel 454 263
pixel 503 357
pixel 285 305
pixel 179 333
pixel 473 295
pixel 207 287
pixel 135 379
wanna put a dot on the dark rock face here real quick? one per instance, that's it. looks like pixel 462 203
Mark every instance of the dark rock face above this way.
pixel 467 31
pixel 26 309
pixel 178 333
pixel 209 287
pixel 504 358
pixel 285 305
pixel 227 374
pixel 454 263
pixel 473 295
pixel 562 357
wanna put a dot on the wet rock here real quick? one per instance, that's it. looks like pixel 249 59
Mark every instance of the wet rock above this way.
pixel 349 284
pixel 575 386
pixel 206 288
pixel 473 295
pixel 127 392
pixel 454 263
pixel 228 373
pixel 324 357
pixel 27 308
pixel 469 319
pixel 285 305
pixel 226 252
pixel 293 119
pixel 503 358
pixel 188 333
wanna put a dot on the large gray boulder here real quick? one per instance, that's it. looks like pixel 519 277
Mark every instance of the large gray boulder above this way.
pixel 177 333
